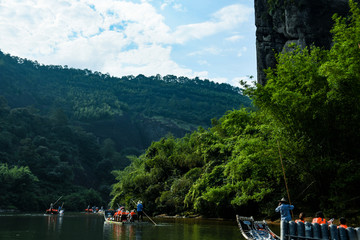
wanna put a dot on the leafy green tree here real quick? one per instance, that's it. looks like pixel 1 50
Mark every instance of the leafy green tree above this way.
pixel 19 188
pixel 312 95
pixel 79 200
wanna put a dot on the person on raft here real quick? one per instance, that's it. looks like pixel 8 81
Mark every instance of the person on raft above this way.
pixel 343 223
pixel 139 210
pixel 319 218
pixel 284 208
pixel 301 218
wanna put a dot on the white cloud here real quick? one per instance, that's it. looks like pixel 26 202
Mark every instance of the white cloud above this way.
pixel 163 6
pixel 179 7
pixel 171 3
pixel 241 51
pixel 78 34
pixel 119 37
pixel 234 38
pixel 203 62
pixel 206 51
pixel 229 17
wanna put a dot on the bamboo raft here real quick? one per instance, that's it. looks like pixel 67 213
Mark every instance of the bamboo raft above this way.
pixel 255 230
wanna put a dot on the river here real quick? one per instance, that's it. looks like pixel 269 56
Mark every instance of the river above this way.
pixel 82 226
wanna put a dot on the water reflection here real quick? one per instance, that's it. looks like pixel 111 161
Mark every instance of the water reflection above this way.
pixel 54 223
pixel 175 230
pixel 122 231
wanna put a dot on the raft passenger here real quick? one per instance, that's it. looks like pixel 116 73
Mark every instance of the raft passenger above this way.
pixel 301 218
pixel 319 218
pixel 343 223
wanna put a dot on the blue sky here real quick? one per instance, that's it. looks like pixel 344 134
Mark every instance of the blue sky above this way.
pixel 213 39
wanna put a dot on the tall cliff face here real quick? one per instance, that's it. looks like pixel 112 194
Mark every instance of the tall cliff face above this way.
pixel 280 22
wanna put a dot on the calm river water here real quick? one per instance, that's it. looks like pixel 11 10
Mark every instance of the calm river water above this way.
pixel 78 226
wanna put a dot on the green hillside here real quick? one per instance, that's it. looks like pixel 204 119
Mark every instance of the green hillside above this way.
pixel 133 111
pixel 64 130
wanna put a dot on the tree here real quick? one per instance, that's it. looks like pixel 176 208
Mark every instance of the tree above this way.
pixel 18 187
pixel 313 97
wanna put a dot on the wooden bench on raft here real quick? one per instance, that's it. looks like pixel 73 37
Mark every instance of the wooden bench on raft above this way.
pixel 314 231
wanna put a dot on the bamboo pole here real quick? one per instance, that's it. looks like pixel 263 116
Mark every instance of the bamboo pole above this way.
pixel 283 169
pixel 57 200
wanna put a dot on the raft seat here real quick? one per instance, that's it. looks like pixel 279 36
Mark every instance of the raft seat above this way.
pixel 314 231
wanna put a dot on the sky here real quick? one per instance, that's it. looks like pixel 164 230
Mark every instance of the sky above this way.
pixel 209 39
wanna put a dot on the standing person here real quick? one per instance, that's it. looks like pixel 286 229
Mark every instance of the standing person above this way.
pixel 140 210
pixel 301 218
pixel 319 218
pixel 284 209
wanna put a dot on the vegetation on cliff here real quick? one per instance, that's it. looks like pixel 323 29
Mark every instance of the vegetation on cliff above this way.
pixel 308 111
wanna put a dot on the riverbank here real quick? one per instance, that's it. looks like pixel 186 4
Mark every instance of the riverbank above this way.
pixel 9 211
pixel 193 217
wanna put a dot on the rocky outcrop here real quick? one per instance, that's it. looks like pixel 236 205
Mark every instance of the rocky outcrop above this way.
pixel 280 22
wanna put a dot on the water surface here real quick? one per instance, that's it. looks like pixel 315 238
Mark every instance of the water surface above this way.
pixel 77 226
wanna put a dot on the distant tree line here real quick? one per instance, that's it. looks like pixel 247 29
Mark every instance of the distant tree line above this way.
pixel 87 95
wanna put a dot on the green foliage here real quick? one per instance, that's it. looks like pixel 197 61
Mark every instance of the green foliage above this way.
pixel 18 187
pixel 95 105
pixel 201 173
pixel 83 95
pixel 307 116
pixel 296 94
pixel 72 127
pixel 49 158
pixel 81 199
pixel 312 95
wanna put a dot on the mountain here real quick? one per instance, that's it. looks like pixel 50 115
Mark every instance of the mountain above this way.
pixel 133 111
pixel 63 130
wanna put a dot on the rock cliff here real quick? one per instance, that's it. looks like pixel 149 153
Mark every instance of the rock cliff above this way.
pixel 280 22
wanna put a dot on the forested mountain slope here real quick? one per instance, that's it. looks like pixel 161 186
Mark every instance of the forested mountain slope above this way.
pixel 62 131
pixel 42 158
pixel 133 111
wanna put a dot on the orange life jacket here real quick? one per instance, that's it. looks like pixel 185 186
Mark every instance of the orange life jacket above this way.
pixel 343 226
pixel 299 220
pixel 319 220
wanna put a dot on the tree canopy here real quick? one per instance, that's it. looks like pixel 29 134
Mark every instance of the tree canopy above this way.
pixel 307 113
